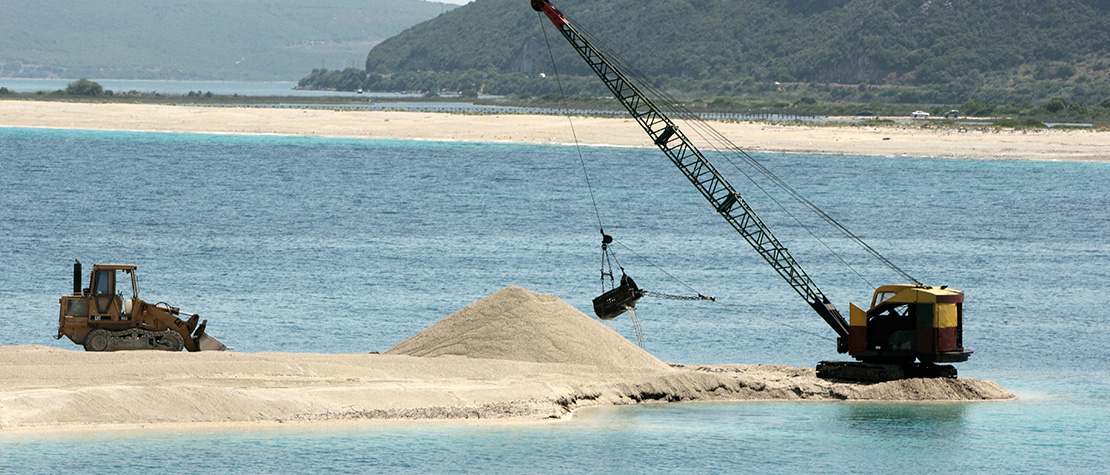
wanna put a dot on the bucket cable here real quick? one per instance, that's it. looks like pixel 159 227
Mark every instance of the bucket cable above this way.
pixel 676 107
pixel 577 147
pixel 606 253
pixel 606 239
pixel 608 257
pixel 712 299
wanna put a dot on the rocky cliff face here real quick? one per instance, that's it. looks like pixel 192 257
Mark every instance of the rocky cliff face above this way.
pixel 530 58
pixel 852 71
pixel 810 7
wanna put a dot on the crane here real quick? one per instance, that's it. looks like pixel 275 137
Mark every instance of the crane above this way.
pixel 907 329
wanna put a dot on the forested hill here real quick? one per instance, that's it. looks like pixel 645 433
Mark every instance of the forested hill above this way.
pixel 1025 47
pixel 197 39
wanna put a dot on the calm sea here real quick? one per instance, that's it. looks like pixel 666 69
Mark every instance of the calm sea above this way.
pixel 228 88
pixel 343 245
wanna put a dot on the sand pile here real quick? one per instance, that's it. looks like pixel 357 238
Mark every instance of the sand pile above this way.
pixel 517 324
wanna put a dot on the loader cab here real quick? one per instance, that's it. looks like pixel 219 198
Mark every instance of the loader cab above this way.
pixel 907 323
pixel 113 289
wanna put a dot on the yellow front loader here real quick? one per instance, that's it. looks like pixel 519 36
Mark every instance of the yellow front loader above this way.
pixel 101 318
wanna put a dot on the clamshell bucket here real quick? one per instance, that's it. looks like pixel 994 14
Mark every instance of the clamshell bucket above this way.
pixel 618 300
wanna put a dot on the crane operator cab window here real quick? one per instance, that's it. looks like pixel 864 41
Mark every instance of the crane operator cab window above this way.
pixel 881 297
pixel 890 325
pixel 892 329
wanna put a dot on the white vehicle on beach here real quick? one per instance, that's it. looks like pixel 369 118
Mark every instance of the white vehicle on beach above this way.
pixel 919 114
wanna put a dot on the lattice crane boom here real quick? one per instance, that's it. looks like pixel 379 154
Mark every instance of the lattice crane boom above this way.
pixel 699 171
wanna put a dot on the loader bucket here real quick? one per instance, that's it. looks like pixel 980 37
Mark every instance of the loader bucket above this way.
pixel 208 343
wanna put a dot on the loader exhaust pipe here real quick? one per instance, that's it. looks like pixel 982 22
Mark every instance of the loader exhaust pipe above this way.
pixel 76 277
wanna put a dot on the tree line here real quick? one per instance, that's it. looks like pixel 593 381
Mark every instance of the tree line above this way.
pixel 893 51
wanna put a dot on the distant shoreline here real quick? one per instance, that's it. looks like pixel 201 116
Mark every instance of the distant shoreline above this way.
pixel 864 140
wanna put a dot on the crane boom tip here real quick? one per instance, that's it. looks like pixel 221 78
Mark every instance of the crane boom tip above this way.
pixel 552 13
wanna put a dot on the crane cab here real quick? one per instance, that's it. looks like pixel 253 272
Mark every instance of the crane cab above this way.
pixel 908 322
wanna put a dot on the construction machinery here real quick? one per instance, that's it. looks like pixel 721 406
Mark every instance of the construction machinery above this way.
pixel 906 330
pixel 100 318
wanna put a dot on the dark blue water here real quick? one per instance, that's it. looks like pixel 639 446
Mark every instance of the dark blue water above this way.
pixel 338 245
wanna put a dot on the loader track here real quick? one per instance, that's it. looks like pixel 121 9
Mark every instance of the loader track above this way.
pixel 133 339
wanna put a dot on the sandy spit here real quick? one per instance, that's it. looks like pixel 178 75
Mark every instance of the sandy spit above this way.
pixel 51 389
pixel 889 141
pixel 514 355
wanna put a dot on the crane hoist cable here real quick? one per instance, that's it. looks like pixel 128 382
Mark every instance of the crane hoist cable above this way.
pixel 606 240
pixel 607 257
pixel 675 106
pixel 876 337
pixel 574 135
pixel 606 251
pixel 620 298
pixel 632 293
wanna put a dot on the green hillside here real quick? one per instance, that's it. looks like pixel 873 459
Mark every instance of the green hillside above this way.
pixel 921 51
pixel 197 39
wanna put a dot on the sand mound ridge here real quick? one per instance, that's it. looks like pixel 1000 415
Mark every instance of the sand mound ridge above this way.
pixel 520 325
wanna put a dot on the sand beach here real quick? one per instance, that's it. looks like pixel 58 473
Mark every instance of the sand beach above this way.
pixel 884 141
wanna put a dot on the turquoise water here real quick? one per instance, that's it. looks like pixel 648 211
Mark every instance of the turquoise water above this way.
pixel 686 438
pixel 342 245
